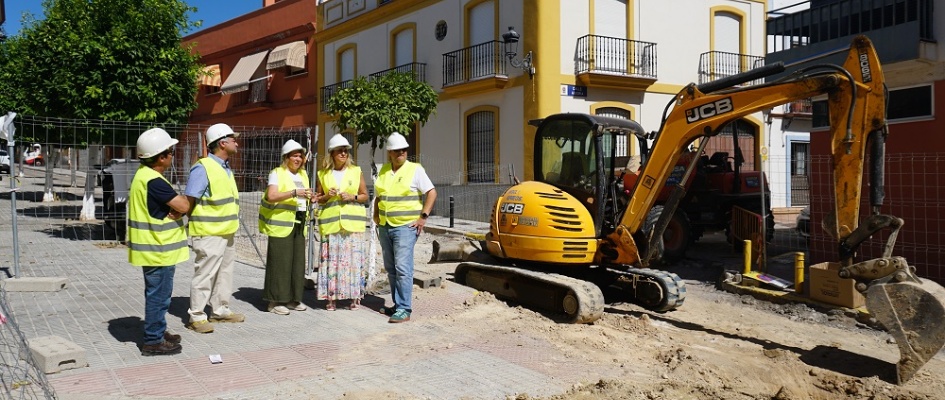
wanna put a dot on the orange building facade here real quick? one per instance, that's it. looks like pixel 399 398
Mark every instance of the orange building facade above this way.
pixel 260 66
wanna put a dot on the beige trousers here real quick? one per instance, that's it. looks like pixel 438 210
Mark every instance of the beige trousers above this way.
pixel 213 276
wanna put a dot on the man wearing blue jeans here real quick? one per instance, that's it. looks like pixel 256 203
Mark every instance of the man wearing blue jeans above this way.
pixel 405 197
pixel 156 238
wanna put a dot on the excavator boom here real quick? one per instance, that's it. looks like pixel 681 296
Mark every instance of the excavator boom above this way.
pixel 570 226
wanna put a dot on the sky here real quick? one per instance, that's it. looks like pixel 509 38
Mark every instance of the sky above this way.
pixel 212 12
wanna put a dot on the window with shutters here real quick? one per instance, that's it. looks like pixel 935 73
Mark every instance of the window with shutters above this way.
pixel 481 134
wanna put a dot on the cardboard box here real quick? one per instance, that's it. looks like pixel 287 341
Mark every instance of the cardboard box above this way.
pixel 827 286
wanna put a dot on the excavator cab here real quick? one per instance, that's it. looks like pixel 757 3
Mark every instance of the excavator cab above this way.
pixel 577 153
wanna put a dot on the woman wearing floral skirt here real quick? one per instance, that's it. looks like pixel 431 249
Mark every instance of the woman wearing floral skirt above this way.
pixel 342 220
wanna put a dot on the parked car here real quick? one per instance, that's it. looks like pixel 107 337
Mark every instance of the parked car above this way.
pixel 4 162
pixel 116 185
pixel 102 169
pixel 803 222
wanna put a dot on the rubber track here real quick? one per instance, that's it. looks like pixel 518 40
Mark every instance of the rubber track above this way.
pixel 672 285
pixel 590 298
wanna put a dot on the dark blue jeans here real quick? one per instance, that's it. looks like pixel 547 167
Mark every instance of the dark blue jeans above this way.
pixel 397 245
pixel 158 284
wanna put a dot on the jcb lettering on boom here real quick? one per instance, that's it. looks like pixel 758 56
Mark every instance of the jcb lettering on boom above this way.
pixel 712 109
pixel 865 68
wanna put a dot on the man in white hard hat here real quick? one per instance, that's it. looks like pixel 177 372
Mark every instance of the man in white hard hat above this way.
pixel 405 197
pixel 156 238
pixel 214 220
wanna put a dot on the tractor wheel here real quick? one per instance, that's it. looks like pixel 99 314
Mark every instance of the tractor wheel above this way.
pixel 677 237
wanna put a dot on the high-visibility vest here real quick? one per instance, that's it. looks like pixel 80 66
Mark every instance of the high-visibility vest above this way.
pixel 152 242
pixel 398 205
pixel 217 215
pixel 337 215
pixel 278 219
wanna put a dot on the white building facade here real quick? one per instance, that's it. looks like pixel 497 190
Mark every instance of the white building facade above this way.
pixel 625 58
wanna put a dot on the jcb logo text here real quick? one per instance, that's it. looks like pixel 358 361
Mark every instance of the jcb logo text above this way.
pixel 512 208
pixel 712 109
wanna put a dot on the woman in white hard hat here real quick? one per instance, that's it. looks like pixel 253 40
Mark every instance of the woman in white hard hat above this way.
pixel 283 213
pixel 342 220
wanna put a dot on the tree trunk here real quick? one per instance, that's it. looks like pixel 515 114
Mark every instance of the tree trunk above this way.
pixel 48 162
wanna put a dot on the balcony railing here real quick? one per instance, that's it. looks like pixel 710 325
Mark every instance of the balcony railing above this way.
pixel 608 55
pixel 419 71
pixel 844 18
pixel 799 107
pixel 257 93
pixel 330 90
pixel 475 62
pixel 715 65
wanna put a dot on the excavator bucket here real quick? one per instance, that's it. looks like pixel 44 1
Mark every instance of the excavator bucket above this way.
pixel 912 312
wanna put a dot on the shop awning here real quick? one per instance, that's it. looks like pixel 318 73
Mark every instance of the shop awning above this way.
pixel 211 76
pixel 287 55
pixel 243 73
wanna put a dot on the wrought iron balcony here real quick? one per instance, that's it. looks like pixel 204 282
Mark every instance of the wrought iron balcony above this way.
pixel 799 108
pixel 715 65
pixel 484 60
pixel 849 17
pixel 419 71
pixel 330 90
pixel 901 31
pixel 608 55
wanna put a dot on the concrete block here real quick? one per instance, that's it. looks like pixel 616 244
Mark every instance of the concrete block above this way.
pixel 54 354
pixel 35 284
pixel 426 281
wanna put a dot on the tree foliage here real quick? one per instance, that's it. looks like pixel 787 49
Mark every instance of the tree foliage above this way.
pixel 119 60
pixel 376 107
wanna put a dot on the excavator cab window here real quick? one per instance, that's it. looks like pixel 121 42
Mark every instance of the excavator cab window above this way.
pixel 566 156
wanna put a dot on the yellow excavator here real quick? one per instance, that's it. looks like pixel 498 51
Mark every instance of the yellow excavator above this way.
pixel 573 239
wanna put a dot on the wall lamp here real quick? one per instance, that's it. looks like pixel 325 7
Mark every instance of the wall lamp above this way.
pixel 510 39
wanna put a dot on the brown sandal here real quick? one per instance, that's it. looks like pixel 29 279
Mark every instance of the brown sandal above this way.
pixel 354 305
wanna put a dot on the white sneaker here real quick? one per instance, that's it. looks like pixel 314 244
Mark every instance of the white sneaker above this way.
pixel 297 306
pixel 278 309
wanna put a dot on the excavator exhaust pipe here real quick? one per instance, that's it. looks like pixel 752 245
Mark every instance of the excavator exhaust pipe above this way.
pixel 912 313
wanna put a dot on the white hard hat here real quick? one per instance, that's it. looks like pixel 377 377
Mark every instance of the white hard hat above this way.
pixel 338 141
pixel 153 142
pixel 217 131
pixel 290 146
pixel 396 141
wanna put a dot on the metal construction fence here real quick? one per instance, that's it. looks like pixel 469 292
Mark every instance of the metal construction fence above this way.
pixel 73 150
pixel 20 378
pixel 66 159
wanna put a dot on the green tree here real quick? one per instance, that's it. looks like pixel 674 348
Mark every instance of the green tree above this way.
pixel 377 107
pixel 116 60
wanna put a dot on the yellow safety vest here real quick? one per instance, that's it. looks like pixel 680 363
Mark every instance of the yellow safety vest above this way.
pixel 278 219
pixel 398 204
pixel 152 242
pixel 217 215
pixel 336 215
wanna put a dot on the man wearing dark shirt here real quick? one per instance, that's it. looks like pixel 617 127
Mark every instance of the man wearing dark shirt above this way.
pixel 157 241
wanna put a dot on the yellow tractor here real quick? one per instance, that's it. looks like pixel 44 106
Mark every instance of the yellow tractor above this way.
pixel 571 236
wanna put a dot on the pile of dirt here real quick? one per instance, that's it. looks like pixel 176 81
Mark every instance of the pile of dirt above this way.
pixel 718 345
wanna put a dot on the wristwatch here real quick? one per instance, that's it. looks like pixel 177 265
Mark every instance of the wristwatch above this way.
pixel 424 215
